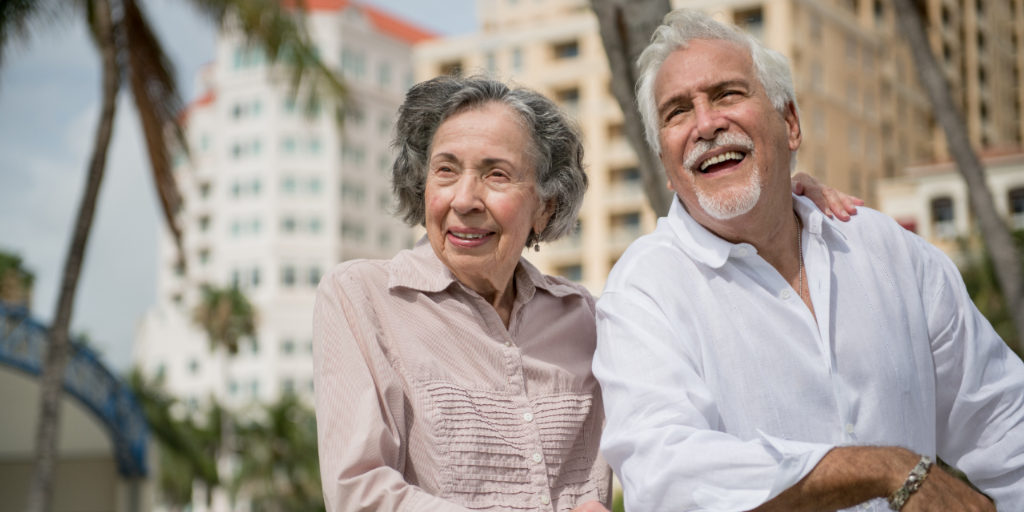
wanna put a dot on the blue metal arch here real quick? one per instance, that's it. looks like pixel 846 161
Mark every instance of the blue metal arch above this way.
pixel 23 342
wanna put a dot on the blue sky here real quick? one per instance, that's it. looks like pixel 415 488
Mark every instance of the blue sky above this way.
pixel 49 102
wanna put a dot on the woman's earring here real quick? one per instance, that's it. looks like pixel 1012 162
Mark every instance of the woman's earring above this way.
pixel 536 247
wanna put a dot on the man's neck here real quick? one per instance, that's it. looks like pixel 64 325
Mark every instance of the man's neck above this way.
pixel 770 228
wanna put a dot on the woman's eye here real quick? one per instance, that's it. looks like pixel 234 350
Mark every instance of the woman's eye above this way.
pixel 498 175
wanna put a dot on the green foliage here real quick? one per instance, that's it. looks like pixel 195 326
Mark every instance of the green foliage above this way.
pixel 187 450
pixel 278 464
pixel 227 316
pixel 15 280
pixel 618 502
pixel 983 286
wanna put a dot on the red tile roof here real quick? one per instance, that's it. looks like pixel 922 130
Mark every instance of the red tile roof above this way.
pixel 381 20
pixel 203 101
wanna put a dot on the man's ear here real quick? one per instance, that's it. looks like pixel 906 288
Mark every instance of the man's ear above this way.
pixel 793 133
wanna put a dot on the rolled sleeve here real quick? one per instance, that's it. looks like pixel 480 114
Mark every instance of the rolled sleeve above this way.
pixel 663 434
pixel 980 389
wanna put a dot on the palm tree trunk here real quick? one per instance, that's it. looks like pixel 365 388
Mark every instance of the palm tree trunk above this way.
pixel 626 28
pixel 48 425
pixel 1005 257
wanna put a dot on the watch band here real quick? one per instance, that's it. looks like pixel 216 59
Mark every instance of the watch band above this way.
pixel 911 485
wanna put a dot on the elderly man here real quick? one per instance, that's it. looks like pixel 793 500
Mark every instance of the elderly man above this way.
pixel 754 354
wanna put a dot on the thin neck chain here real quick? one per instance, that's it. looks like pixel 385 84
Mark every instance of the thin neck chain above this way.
pixel 800 254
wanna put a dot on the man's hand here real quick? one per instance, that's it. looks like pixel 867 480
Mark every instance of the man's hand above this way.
pixel 591 506
pixel 829 200
pixel 942 491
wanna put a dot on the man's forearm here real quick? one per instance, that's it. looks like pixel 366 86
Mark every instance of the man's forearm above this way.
pixel 844 477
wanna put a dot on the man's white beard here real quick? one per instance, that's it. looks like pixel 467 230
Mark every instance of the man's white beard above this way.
pixel 726 205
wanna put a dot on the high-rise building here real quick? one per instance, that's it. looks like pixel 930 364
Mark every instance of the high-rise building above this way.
pixel 863 116
pixel 276 192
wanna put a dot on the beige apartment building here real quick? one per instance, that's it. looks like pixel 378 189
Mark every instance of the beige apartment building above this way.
pixel 863 116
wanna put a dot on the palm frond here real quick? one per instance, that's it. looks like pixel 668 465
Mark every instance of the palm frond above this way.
pixel 277 27
pixel 151 75
pixel 20 18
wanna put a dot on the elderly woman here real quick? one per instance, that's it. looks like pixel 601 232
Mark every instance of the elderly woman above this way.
pixel 456 376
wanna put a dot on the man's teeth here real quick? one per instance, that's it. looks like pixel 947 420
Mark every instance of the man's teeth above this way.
pixel 730 155
pixel 468 236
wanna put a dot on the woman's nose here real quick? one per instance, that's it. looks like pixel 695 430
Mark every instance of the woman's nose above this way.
pixel 468 194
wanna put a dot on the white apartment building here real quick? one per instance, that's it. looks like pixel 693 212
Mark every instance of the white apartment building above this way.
pixel 273 198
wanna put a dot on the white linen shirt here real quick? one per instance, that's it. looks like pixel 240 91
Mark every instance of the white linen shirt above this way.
pixel 722 390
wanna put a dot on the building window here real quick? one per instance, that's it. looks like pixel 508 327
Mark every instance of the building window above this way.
pixel 571 272
pixel 625 227
pixel 193 366
pixel 288 145
pixel 492 63
pixel 288 224
pixel 517 60
pixel 569 99
pixel 751 20
pixel 566 50
pixel 204 223
pixel 384 75
pixel 353 63
pixel 204 190
pixel 943 217
pixel 453 68
pixel 288 276
pixel 1017 208
pixel 627 178
pixel 352 230
pixel 315 225
pixel 288 346
pixel 255 276
pixel 314 275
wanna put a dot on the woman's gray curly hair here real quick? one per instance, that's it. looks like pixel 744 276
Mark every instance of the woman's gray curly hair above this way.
pixel 557 147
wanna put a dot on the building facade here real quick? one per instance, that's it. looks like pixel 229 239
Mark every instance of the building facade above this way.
pixel 276 192
pixel 863 117
pixel 933 201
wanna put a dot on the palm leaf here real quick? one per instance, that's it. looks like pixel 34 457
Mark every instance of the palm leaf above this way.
pixel 151 75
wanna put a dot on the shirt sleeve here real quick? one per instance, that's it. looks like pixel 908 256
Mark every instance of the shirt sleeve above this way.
pixel 663 434
pixel 359 409
pixel 979 387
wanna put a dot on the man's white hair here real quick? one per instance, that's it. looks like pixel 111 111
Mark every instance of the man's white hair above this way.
pixel 684 25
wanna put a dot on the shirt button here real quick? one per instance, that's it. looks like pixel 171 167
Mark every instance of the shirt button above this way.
pixel 528 416
pixel 537 457
pixel 508 343
pixel 545 499
pixel 785 294
pixel 849 428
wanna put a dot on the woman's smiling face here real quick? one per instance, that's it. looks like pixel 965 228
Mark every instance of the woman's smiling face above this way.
pixel 481 195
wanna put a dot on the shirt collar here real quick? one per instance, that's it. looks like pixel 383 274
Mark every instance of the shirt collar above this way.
pixel 703 246
pixel 420 269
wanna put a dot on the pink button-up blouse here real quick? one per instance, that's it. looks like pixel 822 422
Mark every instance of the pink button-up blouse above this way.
pixel 425 401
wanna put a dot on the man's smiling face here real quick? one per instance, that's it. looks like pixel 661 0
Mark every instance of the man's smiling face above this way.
pixel 723 143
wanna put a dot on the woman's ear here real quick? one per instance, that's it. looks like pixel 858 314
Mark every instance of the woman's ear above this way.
pixel 544 216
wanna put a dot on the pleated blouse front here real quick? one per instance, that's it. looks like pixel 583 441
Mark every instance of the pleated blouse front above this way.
pixel 425 400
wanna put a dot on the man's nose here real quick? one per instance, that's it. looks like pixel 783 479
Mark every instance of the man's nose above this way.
pixel 709 119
